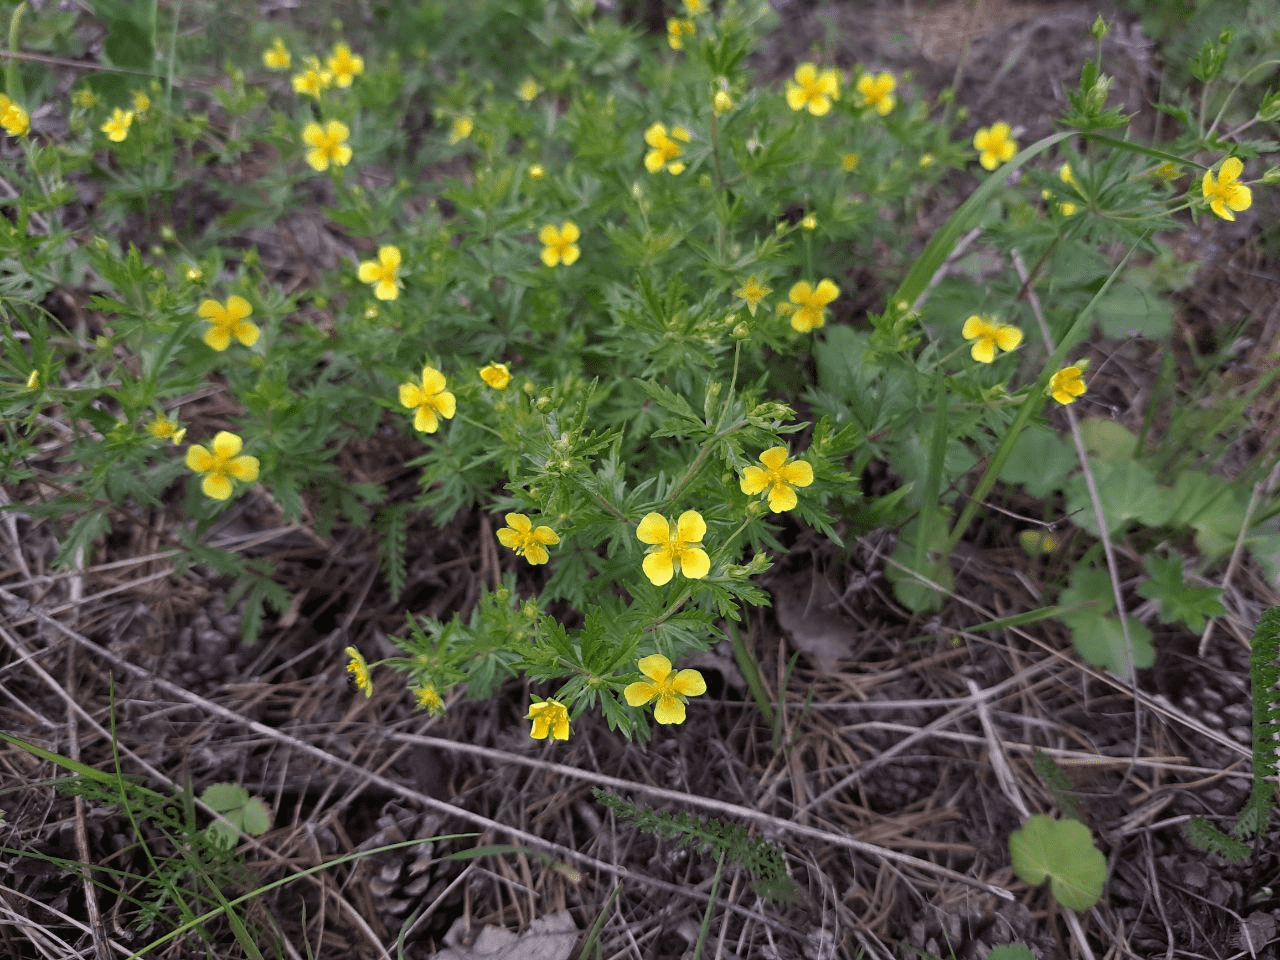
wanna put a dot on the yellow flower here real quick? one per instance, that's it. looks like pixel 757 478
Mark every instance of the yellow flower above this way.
pixel 559 245
pixel 312 81
pixel 228 321
pixel 15 120
pixel 277 56
pixel 926 161
pixel 117 128
pixel 527 540
pixel 33 380
pixel 988 335
pixel 683 549
pixel 222 462
pixel 808 304
pixel 194 273
pixel 141 102
pixel 695 7
pixel 461 129
pixel 429 400
pixel 664 149
pixel 549 718
pixel 849 162
pixel 1224 194
pixel 1167 171
pixel 496 375
pixel 813 89
pixel 328 145
pixel 877 92
pixel 84 98
pixel 810 222
pixel 359 670
pixel 162 428
pixel 344 65
pixel 1067 384
pixel 537 172
pixel 994 145
pixel 721 102
pixel 779 476
pixel 753 291
pixel 1067 177
pixel 429 699
pixel 382 273
pixel 677 30
pixel 528 90
pixel 668 688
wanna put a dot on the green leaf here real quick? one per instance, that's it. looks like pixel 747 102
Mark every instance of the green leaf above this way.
pixel 1127 309
pixel 1012 951
pixel 1061 851
pixel 1101 641
pixel 1041 461
pixel 241 813
pixel 1178 601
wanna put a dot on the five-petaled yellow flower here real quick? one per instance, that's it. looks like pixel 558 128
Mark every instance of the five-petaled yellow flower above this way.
pixel 1067 384
pixel 527 540
pixel 382 273
pixel 461 129
pixel 344 65
pixel 664 149
pixel 117 127
pixel 220 464
pixel 429 400
pixel 429 699
pixel 995 145
pixel 813 89
pixel 876 92
pixel 528 90
pixel 666 686
pixel 13 117
pixel 560 245
pixel 779 476
pixel 987 335
pixel 228 321
pixel 162 428
pixel 1224 193
pixel 677 30
pixel 359 671
pixel 496 375
pixel 328 145
pixel 312 81
pixel 753 291
pixel 550 718
pixel 277 56
pixel 809 303
pixel 669 550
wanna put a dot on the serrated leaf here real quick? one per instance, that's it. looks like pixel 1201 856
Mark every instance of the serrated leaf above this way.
pixel 1179 602
pixel 1100 640
pixel 1062 852
pixel 1041 461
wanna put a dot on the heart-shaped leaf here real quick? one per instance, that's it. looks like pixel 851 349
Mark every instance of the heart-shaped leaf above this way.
pixel 1063 852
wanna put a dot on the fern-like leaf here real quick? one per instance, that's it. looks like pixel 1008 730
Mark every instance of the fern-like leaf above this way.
pixel 392 527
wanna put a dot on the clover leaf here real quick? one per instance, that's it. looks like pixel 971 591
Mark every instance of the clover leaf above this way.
pixel 239 811
pixel 1062 851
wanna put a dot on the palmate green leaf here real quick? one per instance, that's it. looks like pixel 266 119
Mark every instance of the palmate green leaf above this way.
pixel 1062 852
pixel 1178 601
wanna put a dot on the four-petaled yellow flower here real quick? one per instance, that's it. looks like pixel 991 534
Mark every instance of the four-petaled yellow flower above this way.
pixel 876 92
pixel 667 687
pixel 382 273
pixel 13 117
pixel 461 129
pixel 1067 384
pixel 312 81
pixel 987 335
pixel 528 90
pixel 220 464
pixel 995 145
pixel 665 149
pixel 429 400
pixel 808 304
pixel 677 30
pixel 550 718
pixel 344 65
pixel 527 540
pixel 813 89
pixel 496 375
pixel 682 549
pixel 359 671
pixel 1224 193
pixel 162 428
pixel 779 476
pixel 228 321
pixel 117 127
pixel 753 291
pixel 429 699
pixel 277 56
pixel 328 145
pixel 560 245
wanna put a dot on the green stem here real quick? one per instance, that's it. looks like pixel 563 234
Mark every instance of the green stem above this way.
pixel 12 75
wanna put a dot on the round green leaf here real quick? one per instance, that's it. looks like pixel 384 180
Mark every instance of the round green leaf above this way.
pixel 1063 852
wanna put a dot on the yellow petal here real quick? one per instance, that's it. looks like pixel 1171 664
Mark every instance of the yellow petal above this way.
pixel 668 709
pixel 655 666
pixel 689 683
pixel 694 563
pixel 653 528
pixel 691 528
pixel 639 693
pixel 658 568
